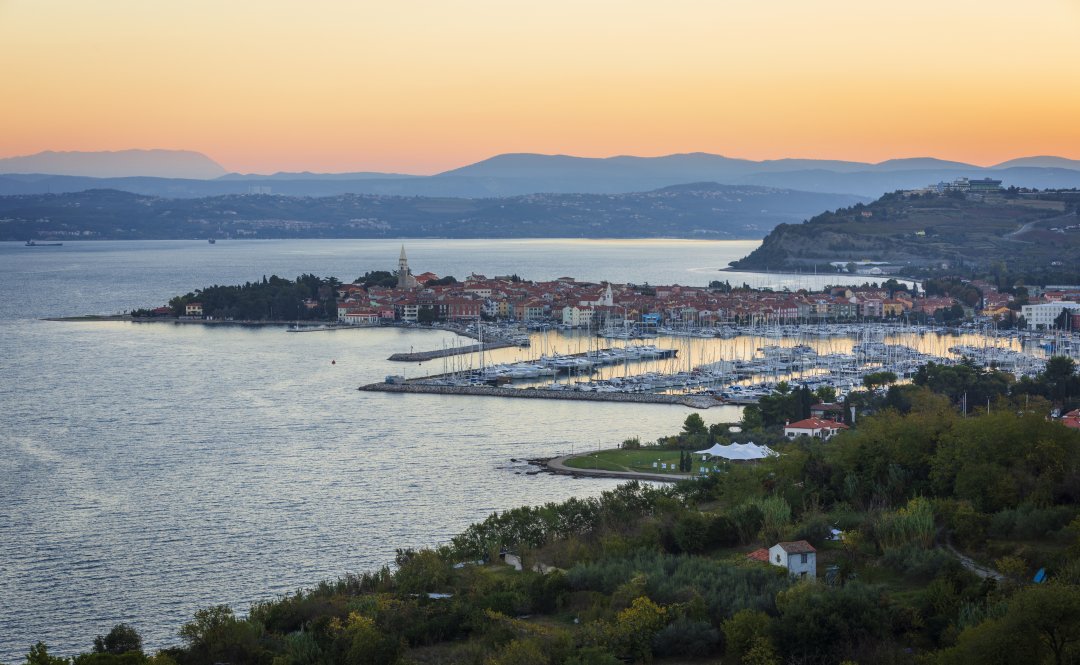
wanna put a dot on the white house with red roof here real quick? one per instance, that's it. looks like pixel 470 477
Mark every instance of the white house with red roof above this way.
pixel 799 557
pixel 822 429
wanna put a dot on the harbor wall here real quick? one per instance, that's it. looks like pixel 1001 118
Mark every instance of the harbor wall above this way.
pixel 420 356
pixel 692 401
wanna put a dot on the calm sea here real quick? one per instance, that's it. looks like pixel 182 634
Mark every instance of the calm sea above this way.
pixel 148 470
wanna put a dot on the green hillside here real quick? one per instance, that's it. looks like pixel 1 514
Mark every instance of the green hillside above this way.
pixel 931 232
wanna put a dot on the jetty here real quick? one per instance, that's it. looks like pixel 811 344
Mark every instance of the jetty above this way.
pixel 692 401
pixel 421 356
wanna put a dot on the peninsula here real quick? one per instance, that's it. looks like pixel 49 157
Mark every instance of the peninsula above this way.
pixel 961 227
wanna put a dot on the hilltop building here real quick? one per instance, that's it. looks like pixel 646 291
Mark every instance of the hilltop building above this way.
pixel 967 186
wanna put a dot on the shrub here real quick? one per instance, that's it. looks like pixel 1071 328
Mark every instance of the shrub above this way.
pixel 691 532
pixel 520 652
pixel 743 629
pixel 916 562
pixel 725 588
pixel 911 525
pixel 748 519
pixel 722 531
pixel 1027 522
pixel 422 571
pixel 815 529
pixel 686 637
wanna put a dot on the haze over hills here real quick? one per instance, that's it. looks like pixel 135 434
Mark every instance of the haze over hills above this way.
pixel 699 210
pixel 111 164
pixel 519 174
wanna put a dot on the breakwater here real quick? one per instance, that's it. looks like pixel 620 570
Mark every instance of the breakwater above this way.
pixel 420 356
pixel 693 401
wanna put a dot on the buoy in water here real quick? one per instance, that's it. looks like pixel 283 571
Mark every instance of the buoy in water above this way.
pixel 333 362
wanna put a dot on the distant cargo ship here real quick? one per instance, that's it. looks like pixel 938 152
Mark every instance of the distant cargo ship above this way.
pixel 31 243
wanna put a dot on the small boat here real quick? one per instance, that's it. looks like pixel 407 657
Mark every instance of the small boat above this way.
pixel 211 240
pixel 32 243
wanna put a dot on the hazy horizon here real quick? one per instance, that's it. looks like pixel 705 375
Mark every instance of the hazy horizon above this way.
pixel 421 87
pixel 987 164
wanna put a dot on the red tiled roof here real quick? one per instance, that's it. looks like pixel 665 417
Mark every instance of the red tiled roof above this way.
pixel 817 423
pixel 759 555
pixel 797 547
pixel 823 406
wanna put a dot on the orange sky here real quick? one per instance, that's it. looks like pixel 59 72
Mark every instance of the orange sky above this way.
pixel 420 86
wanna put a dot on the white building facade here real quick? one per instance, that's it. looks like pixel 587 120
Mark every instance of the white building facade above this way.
pixel 799 557
pixel 1043 315
pixel 577 317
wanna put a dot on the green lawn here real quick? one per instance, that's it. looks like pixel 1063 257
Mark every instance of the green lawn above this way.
pixel 629 460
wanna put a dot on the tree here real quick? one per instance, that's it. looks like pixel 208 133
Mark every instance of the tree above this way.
pixel 1063 321
pixel 826 394
pixel 39 655
pixel 365 644
pixel 634 628
pixel 875 379
pixel 751 418
pixel 744 630
pixel 427 314
pixel 121 639
pixel 1060 379
pixel 1041 625
pixel 694 425
pixel 216 635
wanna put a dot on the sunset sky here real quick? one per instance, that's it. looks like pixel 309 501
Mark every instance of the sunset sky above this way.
pixel 421 86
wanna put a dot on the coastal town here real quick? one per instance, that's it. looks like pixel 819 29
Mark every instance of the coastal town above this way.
pixel 673 344
pixel 636 308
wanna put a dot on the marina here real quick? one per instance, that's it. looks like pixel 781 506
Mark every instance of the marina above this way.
pixel 727 364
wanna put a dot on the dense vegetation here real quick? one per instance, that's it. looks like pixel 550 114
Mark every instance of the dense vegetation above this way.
pixel 1031 236
pixel 646 573
pixel 308 298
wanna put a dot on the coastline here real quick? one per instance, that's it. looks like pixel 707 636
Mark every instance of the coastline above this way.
pixel 818 274
pixel 557 466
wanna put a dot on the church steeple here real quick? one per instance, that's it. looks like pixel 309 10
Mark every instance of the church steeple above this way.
pixel 404 275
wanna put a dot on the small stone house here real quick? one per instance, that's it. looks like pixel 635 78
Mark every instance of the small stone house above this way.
pixel 799 557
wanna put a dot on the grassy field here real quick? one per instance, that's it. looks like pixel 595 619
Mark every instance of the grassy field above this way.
pixel 630 460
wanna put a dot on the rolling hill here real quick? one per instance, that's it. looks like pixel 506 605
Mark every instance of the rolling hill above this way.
pixel 702 210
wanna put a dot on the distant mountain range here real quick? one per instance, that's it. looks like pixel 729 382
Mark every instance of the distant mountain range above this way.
pixel 182 174
pixel 700 210
pixel 107 164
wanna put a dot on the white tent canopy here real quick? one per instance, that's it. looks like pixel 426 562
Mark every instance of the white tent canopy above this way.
pixel 738 451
